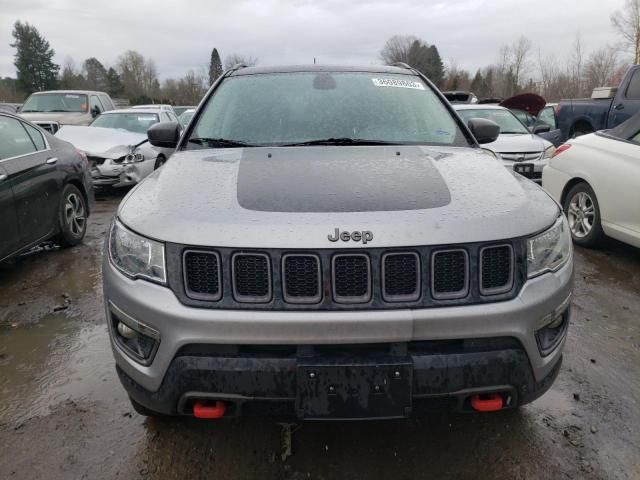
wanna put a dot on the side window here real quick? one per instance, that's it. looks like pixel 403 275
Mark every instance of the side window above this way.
pixel 635 138
pixel 36 137
pixel 106 102
pixel 95 102
pixel 548 117
pixel 633 90
pixel 14 140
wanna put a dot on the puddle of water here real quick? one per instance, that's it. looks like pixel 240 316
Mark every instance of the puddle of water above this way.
pixel 56 360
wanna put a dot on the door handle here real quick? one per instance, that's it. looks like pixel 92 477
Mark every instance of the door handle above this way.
pixel 3 177
pixel 620 106
pixel 52 160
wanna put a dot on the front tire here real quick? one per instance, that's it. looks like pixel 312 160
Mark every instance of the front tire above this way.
pixel 72 217
pixel 583 213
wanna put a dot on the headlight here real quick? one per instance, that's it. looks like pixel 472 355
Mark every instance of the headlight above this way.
pixel 133 158
pixel 549 151
pixel 550 250
pixel 136 256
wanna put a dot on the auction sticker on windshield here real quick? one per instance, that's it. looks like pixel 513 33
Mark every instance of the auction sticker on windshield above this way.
pixel 395 82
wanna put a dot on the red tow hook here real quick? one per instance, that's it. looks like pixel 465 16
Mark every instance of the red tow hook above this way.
pixel 209 412
pixel 490 402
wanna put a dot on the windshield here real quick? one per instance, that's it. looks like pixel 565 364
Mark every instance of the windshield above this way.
pixel 292 108
pixel 186 117
pixel 507 121
pixel 133 122
pixel 55 102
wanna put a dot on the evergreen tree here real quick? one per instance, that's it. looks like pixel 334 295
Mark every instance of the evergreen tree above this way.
pixel 95 74
pixel 476 83
pixel 215 66
pixel 435 68
pixel 33 59
pixel 114 85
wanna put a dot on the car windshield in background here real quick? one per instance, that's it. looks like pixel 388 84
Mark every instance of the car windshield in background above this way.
pixel 186 117
pixel 55 102
pixel 507 121
pixel 325 108
pixel 132 122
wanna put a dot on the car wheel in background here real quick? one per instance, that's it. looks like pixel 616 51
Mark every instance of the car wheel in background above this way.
pixel 583 213
pixel 72 217
pixel 159 162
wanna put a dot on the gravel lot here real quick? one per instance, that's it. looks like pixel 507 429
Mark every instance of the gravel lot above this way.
pixel 63 413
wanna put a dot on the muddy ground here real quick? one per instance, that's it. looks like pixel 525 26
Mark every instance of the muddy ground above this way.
pixel 64 415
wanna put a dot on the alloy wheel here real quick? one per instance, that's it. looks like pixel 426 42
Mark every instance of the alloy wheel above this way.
pixel 74 214
pixel 581 214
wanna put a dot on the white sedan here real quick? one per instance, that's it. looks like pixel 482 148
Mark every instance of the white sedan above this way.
pixel 596 179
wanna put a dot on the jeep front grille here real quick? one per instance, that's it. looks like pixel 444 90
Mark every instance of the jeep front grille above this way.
pixel 351 278
pixel 400 277
pixel 251 277
pixel 301 279
pixel 450 274
pixel 202 275
pixel 339 279
pixel 496 269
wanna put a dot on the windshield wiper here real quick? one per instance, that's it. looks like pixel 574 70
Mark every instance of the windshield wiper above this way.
pixel 58 110
pixel 339 141
pixel 219 142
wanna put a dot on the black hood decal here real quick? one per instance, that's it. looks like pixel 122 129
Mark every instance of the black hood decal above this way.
pixel 339 179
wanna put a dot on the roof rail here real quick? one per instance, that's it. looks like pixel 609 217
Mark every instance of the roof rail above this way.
pixel 402 65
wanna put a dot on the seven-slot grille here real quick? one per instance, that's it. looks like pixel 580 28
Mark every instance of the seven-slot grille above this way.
pixel 251 277
pixel 450 274
pixel 401 277
pixel 374 278
pixel 202 275
pixel 301 278
pixel 496 269
pixel 351 278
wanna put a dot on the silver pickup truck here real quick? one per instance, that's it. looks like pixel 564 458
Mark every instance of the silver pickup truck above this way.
pixel 50 110
pixel 333 243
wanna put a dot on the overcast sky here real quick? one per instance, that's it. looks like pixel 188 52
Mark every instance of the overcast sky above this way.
pixel 179 35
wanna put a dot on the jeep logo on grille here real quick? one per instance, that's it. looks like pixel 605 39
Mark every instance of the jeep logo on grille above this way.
pixel 364 236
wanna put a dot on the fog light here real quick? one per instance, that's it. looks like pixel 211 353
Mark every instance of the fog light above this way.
pixel 125 331
pixel 138 340
pixel 549 337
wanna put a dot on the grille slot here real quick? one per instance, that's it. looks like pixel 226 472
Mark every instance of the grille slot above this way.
pixel 351 278
pixel 450 274
pixel 202 275
pixel 521 156
pixel 496 269
pixel 301 279
pixel 251 277
pixel 401 277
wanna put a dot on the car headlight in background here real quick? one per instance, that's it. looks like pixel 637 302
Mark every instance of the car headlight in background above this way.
pixel 135 255
pixel 549 152
pixel 550 250
pixel 134 157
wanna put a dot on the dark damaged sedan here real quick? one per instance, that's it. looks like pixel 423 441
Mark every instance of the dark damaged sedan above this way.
pixel 333 243
pixel 45 188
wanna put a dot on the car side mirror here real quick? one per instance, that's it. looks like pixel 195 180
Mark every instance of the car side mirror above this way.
pixel 95 111
pixel 484 130
pixel 541 128
pixel 164 134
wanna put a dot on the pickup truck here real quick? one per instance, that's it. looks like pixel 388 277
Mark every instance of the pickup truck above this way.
pixel 581 116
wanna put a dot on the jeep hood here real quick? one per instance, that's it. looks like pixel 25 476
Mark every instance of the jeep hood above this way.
pixel 295 197
pixel 101 142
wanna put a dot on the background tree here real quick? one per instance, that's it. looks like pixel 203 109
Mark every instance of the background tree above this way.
pixel 71 78
pixel 476 83
pixel 115 87
pixel 95 74
pixel 138 75
pixel 215 66
pixel 627 23
pixel 415 53
pixel 33 59
pixel 235 59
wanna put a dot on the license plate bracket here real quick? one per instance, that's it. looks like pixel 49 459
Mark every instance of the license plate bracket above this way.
pixel 354 390
pixel 524 169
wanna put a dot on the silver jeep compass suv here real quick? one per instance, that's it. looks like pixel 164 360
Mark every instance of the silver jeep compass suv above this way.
pixel 332 243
